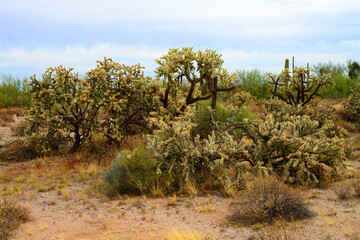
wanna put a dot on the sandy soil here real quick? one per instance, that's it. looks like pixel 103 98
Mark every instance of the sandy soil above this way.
pixel 83 215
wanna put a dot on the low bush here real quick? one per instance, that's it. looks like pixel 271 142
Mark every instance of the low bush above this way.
pixel 254 82
pixel 131 173
pixel 356 186
pixel 202 117
pixel 269 199
pixel 278 231
pixel 343 190
pixel 19 151
pixel 341 87
pixel 11 216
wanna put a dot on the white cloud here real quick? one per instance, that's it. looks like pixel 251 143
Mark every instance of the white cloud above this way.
pixel 350 43
pixel 256 17
pixel 239 59
pixel 185 9
pixel 78 57
pixel 83 59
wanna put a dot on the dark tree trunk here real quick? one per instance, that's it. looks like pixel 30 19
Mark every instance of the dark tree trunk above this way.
pixel 77 142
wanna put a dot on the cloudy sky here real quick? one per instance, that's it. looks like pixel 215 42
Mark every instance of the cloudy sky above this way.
pixel 37 34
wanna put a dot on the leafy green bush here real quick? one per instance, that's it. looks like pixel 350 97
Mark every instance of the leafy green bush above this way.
pixel 202 117
pixel 341 87
pixel 131 173
pixel 222 113
pixel 353 69
pixel 12 92
pixel 254 82
pixel 337 69
pixel 343 82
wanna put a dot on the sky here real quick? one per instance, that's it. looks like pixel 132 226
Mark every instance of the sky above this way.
pixel 37 34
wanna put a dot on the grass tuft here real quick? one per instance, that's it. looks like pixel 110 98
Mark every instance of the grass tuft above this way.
pixel 11 216
pixel 269 199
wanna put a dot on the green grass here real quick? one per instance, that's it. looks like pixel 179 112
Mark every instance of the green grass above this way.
pixel 12 92
pixel 202 116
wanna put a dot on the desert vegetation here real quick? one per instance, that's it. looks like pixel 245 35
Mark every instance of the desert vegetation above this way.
pixel 253 155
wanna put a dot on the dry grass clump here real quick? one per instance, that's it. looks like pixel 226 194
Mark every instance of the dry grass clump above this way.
pixel 175 235
pixel 342 190
pixel 100 150
pixel 356 185
pixel 269 199
pixel 11 216
pixel 18 151
pixel 278 231
pixel 7 115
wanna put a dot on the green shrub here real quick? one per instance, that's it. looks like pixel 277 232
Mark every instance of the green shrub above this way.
pixel 202 117
pixel 12 92
pixel 254 82
pixel 131 173
pixel 19 151
pixel 341 88
pixel 269 199
pixel 322 68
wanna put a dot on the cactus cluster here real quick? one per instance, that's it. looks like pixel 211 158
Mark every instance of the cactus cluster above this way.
pixel 297 87
pixel 295 147
pixel 351 107
pixel 112 98
pixel 119 101
pixel 201 71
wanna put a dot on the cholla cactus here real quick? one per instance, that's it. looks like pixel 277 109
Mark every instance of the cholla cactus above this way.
pixel 61 107
pixel 279 110
pixel 127 97
pixel 299 87
pixel 202 70
pixel 351 107
pixel 65 105
pixel 183 156
pixel 173 146
pixel 295 148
